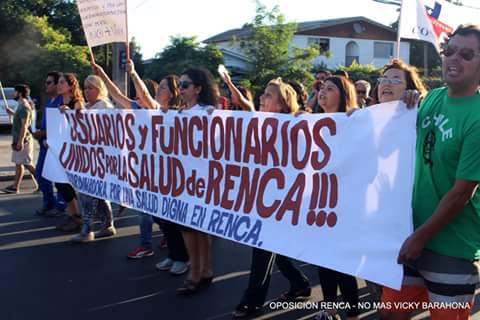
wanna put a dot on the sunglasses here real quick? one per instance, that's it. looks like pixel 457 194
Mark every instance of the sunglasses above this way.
pixel 384 80
pixel 48 83
pixel 184 84
pixel 467 54
pixel 361 92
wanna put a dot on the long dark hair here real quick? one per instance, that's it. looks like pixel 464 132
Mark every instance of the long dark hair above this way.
pixel 348 96
pixel 172 83
pixel 203 78
pixel 72 81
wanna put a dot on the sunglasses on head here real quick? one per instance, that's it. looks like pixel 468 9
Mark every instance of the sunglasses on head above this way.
pixel 184 84
pixel 467 54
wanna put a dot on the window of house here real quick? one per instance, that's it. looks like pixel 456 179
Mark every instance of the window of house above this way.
pixel 322 43
pixel 382 49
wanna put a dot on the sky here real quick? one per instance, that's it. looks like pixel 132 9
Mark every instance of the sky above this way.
pixel 153 22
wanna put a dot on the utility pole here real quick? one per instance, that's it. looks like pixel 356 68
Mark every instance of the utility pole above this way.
pixel 119 74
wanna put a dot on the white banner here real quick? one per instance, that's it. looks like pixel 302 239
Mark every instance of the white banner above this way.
pixel 327 189
pixel 433 20
pixel 104 21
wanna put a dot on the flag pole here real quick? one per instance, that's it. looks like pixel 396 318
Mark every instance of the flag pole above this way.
pixel 398 31
pixel 127 49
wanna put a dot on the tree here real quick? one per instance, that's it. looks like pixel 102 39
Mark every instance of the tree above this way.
pixel 183 53
pixel 36 49
pixel 268 49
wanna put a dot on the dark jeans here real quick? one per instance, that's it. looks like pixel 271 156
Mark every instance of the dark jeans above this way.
pixel 330 280
pixel 261 273
pixel 46 186
pixel 176 246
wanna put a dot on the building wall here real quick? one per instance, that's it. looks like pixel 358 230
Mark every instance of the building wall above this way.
pixel 338 50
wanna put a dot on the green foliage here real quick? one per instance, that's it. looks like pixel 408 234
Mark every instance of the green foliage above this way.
pixel 37 49
pixel 358 71
pixel 269 52
pixel 184 53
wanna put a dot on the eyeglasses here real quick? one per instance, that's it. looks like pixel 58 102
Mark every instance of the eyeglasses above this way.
pixel 184 84
pixel 47 83
pixel 385 80
pixel 467 54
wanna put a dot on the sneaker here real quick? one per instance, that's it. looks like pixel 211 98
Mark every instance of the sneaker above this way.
pixel 165 264
pixel 324 315
pixel 10 189
pixel 140 252
pixel 106 232
pixel 84 236
pixel 245 310
pixel 178 268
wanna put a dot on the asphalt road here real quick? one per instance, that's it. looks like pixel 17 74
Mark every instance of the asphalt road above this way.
pixel 44 276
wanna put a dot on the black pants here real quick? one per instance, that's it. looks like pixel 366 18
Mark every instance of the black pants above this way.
pixel 261 273
pixel 176 246
pixel 66 190
pixel 330 280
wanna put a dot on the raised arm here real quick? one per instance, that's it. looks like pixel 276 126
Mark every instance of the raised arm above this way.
pixel 117 95
pixel 237 96
pixel 141 89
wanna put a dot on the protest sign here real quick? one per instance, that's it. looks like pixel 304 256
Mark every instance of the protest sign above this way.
pixel 104 21
pixel 327 189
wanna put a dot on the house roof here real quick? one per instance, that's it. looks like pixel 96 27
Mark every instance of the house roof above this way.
pixel 301 27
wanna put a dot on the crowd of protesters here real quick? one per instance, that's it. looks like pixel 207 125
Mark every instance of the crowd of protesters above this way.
pixel 440 257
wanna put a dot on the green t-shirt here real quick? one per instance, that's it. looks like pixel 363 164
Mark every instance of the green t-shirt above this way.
pixel 22 112
pixel 448 148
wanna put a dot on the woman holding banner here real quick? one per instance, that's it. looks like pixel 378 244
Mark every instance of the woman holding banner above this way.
pixel 396 79
pixel 69 88
pixel 279 97
pixel 97 98
pixel 337 94
pixel 199 92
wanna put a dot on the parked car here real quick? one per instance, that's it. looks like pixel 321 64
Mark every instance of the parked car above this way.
pixel 5 119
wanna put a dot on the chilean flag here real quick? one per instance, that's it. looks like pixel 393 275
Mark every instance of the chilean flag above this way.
pixel 432 20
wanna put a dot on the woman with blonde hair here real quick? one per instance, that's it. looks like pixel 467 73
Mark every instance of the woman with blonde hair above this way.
pixel 278 97
pixel 96 94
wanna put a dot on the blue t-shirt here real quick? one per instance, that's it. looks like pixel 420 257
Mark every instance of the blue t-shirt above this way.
pixel 135 105
pixel 55 103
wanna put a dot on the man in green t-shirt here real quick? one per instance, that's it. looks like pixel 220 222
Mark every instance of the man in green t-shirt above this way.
pixel 22 144
pixel 441 257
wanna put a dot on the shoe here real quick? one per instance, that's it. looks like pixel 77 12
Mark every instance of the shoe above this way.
pixel 106 232
pixel 140 252
pixel 83 237
pixel 165 264
pixel 10 189
pixel 245 310
pixel 54 213
pixel 291 296
pixel 70 225
pixel 189 287
pixel 179 268
pixel 324 315
pixel 43 211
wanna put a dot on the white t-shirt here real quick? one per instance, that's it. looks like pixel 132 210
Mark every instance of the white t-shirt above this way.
pixel 198 107
pixel 100 104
